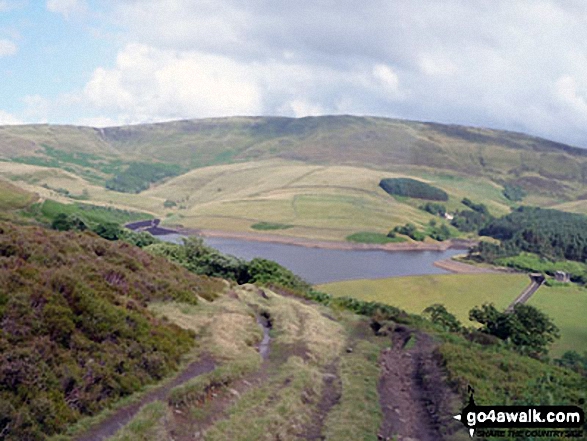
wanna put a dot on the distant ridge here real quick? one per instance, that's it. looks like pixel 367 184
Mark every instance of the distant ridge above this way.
pixel 375 142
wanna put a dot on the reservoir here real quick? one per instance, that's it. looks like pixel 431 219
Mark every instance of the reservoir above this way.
pixel 319 265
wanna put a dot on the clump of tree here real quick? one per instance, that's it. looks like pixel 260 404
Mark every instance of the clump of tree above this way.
pixel 140 175
pixel 434 208
pixel 409 230
pixel 472 220
pixel 575 361
pixel 479 208
pixel 413 189
pixel 526 328
pixel 439 232
pixel 549 233
pixel 204 260
pixel 66 222
pixel 513 192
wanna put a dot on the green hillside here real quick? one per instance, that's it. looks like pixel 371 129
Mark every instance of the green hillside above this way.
pixel 386 144
pixel 318 174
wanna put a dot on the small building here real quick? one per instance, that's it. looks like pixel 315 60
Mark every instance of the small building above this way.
pixel 561 276
pixel 448 216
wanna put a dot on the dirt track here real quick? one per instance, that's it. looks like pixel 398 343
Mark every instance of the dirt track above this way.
pixel 414 398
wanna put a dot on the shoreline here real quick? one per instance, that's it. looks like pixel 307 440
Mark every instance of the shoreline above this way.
pixel 458 244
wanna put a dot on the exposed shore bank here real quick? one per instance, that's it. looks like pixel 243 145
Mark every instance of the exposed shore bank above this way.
pixel 332 245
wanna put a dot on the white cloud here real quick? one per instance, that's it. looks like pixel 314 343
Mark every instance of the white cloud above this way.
pixel 150 84
pixel 8 119
pixel 300 108
pixel 98 122
pixel 513 65
pixel 388 78
pixel 67 8
pixel 436 65
pixel 7 48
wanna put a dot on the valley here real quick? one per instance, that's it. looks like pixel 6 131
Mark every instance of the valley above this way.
pixel 106 333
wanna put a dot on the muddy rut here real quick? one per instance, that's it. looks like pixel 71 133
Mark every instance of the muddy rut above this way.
pixel 414 398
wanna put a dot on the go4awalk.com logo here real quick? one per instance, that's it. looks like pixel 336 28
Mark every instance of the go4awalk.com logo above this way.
pixel 522 421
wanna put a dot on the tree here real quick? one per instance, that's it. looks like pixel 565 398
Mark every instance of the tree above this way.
pixel 108 230
pixel 440 316
pixel 527 328
pixel 65 222
pixel 61 222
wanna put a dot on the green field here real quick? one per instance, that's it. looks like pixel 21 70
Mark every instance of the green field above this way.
pixel 263 226
pixel 48 210
pixel 457 292
pixel 567 306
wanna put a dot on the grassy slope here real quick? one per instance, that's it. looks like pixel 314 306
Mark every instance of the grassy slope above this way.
pixel 13 197
pixel 319 174
pixel 328 202
pixel 546 168
pixel 305 345
pixel 458 292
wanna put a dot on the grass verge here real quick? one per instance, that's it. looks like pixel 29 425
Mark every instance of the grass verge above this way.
pixel 358 415
pixel 377 238
pixel 263 226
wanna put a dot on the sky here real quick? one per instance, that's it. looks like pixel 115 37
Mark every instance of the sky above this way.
pixel 517 65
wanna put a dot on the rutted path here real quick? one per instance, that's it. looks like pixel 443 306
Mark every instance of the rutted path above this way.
pixel 331 394
pixel 122 416
pixel 183 427
pixel 414 400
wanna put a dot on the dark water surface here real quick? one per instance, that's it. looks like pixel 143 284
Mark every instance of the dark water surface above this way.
pixel 318 265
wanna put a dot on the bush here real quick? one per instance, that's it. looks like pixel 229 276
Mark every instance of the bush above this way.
pixel 108 231
pixel 479 208
pixel 528 329
pixel 413 189
pixel 440 316
pixel 66 222
pixel 411 231
pixel 434 208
